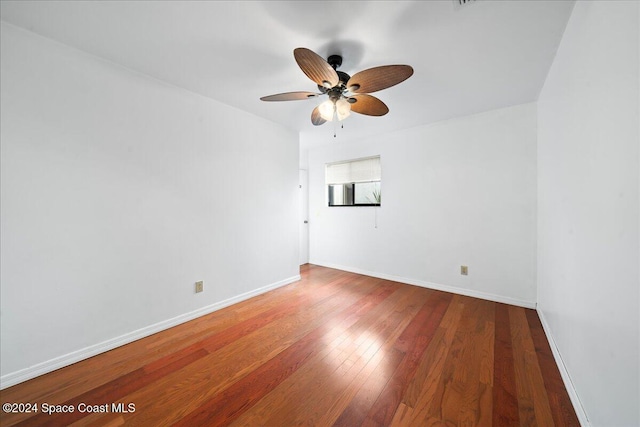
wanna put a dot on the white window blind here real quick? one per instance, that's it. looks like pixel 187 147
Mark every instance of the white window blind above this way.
pixel 360 170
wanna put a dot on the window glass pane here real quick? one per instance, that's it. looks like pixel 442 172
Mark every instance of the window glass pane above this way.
pixel 367 193
pixel 341 195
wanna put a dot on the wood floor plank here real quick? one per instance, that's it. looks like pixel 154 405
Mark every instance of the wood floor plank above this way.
pixel 166 402
pixel 361 397
pixel 477 408
pixel 335 348
pixel 433 357
pixel 533 401
pixel 418 402
pixel 356 349
pixel 486 344
pixel 559 400
pixel 356 412
pixel 413 342
pixel 100 420
pixel 505 400
pixel 114 391
pixel 347 356
pixel 230 404
pixel 215 373
pixel 462 385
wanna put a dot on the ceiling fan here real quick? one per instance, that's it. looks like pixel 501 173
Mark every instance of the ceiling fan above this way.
pixel 346 93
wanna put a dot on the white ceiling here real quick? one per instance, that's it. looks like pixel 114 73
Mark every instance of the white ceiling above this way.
pixel 467 58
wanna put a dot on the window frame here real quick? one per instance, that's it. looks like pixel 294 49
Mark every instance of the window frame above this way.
pixel 352 186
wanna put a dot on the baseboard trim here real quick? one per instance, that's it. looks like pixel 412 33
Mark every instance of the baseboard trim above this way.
pixel 564 373
pixel 431 285
pixel 34 371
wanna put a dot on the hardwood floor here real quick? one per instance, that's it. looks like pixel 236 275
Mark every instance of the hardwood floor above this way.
pixel 335 348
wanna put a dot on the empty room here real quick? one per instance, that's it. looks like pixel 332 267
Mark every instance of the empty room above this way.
pixel 354 213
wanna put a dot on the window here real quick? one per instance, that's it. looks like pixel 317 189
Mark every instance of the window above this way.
pixel 354 182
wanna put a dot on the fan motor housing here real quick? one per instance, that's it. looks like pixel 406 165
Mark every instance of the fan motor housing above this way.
pixel 344 78
pixel 336 61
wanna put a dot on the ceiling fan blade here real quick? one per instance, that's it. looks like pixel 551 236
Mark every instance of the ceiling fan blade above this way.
pixel 290 96
pixel 378 78
pixel 316 119
pixel 316 68
pixel 368 105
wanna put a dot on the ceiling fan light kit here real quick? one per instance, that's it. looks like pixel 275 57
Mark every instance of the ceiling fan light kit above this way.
pixel 340 109
pixel 346 93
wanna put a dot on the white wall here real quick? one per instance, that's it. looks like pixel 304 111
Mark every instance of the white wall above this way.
pixel 458 192
pixel 118 193
pixel 588 192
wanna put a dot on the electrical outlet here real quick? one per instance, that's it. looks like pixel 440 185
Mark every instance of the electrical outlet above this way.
pixel 199 286
pixel 464 270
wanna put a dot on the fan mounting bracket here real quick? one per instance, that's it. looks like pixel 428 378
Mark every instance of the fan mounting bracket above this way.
pixel 335 61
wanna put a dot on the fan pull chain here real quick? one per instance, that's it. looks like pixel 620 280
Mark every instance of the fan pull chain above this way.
pixel 334 127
